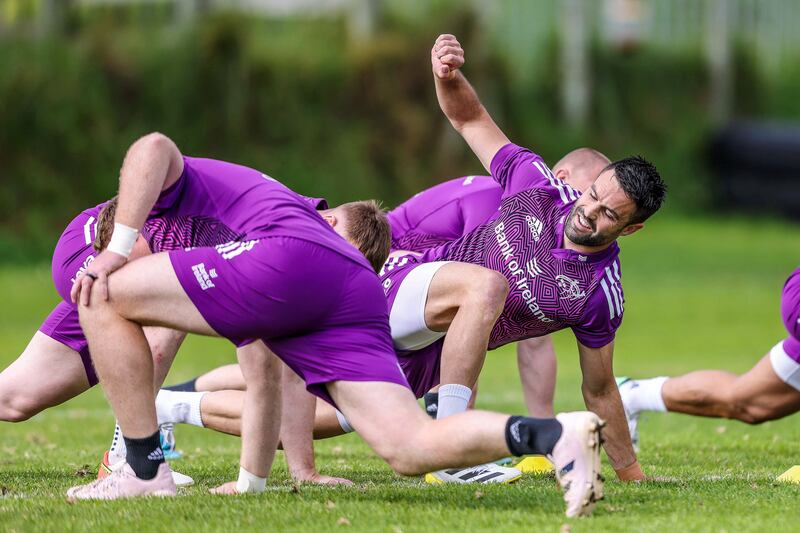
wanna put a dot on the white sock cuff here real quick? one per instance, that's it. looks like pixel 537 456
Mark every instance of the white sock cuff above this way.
pixel 195 416
pixel 453 398
pixel 646 395
pixel 343 422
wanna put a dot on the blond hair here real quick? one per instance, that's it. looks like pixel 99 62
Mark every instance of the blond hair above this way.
pixel 105 225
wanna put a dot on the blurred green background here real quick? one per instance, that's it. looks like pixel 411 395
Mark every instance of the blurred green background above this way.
pixel 335 98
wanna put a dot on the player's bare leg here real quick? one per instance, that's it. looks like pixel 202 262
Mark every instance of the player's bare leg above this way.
pixel 757 396
pixel 47 373
pixel 227 377
pixel 148 292
pixel 536 359
pixel 388 418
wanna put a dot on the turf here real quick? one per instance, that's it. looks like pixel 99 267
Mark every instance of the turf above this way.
pixel 699 294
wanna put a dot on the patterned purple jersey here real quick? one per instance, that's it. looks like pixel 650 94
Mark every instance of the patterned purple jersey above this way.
pixel 444 212
pixel 551 287
pixel 249 204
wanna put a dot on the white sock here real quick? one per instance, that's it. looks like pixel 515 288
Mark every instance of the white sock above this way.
pixel 117 451
pixel 343 422
pixel 178 407
pixel 645 395
pixel 453 399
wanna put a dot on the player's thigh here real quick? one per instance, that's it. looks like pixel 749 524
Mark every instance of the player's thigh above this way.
pixel 147 291
pixel 326 423
pixel 47 373
pixel 764 393
pixel 386 415
pixel 456 284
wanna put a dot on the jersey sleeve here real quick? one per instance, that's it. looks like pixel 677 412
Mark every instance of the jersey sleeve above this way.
pixel 604 310
pixel 518 169
pixel 316 203
pixel 172 194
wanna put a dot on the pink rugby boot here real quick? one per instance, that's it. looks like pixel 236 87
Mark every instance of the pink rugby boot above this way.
pixel 123 483
pixel 576 457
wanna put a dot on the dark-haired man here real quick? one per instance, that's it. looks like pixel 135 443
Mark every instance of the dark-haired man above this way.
pixel 548 260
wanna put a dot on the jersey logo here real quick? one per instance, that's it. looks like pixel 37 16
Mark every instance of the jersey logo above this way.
pixel 83 268
pixel 392 263
pixel 533 268
pixel 467 181
pixel 569 288
pixel 536 227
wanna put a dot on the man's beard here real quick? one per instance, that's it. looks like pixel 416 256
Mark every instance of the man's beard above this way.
pixel 583 239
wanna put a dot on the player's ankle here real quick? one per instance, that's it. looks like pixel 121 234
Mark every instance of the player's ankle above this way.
pixel 145 455
pixel 532 436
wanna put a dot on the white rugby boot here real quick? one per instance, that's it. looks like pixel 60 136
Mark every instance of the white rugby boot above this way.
pixel 576 458
pixel 486 473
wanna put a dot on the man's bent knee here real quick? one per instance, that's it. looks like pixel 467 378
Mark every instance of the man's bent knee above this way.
pixel 14 409
pixel 490 289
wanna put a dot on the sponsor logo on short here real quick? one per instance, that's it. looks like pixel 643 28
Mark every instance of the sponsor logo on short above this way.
pixel 569 288
pixel 386 284
pixel 203 278
pixel 212 273
pixel 82 269
pixel 535 225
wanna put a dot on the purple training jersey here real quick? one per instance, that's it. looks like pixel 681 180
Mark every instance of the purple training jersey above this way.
pixel 550 287
pixel 444 212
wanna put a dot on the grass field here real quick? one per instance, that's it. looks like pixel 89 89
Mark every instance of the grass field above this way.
pixel 699 294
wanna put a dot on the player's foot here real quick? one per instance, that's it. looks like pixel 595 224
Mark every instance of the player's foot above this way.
pixel 106 469
pixel 576 457
pixel 123 483
pixel 626 386
pixel 167 432
pixel 487 473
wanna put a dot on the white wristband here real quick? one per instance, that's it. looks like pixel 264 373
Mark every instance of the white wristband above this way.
pixel 123 239
pixel 248 482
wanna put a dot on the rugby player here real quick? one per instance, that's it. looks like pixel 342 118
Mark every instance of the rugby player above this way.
pixel 291 281
pixel 768 391
pixel 548 260
pixel 58 356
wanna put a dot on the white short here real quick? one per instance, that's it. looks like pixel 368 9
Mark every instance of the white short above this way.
pixel 407 316
pixel 784 366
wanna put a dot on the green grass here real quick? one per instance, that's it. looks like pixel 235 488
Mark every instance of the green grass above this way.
pixel 700 294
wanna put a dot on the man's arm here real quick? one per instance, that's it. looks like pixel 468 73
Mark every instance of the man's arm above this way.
pixel 460 103
pixel 152 164
pixel 297 427
pixel 261 418
pixel 601 395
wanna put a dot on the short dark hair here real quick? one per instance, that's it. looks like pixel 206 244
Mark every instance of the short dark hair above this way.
pixel 368 228
pixel 642 183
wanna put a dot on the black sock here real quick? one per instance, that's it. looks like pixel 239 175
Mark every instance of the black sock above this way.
pixel 532 436
pixel 144 455
pixel 431 403
pixel 186 386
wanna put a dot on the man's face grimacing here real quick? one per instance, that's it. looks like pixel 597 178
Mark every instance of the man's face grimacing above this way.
pixel 601 214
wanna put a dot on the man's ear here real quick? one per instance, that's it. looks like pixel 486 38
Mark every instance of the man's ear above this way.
pixel 631 229
pixel 330 219
pixel 562 174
